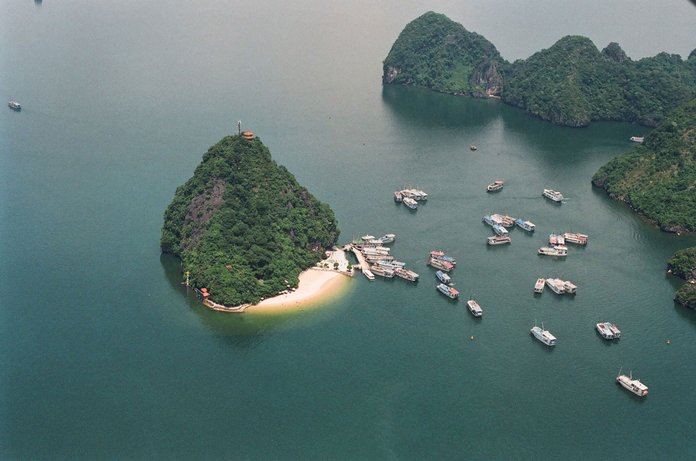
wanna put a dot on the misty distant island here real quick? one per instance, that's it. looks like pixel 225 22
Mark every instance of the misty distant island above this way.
pixel 571 83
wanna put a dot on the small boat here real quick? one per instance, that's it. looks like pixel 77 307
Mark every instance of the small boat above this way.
pixel 542 335
pixel 500 230
pixel 553 251
pixel 445 266
pixel 387 238
pixel 376 251
pixel 367 238
pixel 398 196
pixel 604 330
pixel 495 186
pixel 556 285
pixel 367 273
pixel 526 225
pixel 569 287
pixel 406 274
pixel 447 291
pixel 553 195
pixel 472 147
pixel 556 239
pixel 578 239
pixel 443 277
pixel 474 308
pixel 382 271
pixel 503 220
pixel 638 139
pixel 614 329
pixel 633 385
pixel 411 203
pixel 498 240
pixel 14 105
pixel 539 285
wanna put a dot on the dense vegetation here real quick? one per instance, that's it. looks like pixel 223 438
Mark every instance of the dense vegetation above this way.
pixel 438 53
pixel 658 178
pixel 683 264
pixel 571 83
pixel 243 226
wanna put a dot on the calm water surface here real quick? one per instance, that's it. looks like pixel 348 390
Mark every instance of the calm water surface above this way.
pixel 103 355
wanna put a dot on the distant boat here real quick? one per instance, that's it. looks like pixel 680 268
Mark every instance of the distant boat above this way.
pixel 495 186
pixel 447 291
pixel 556 285
pixel 553 195
pixel 633 385
pixel 542 335
pixel 445 266
pixel 14 105
pixel 472 147
pixel 474 308
pixel 569 287
pixel 387 238
pixel 539 285
pixel 638 139
pixel 443 277
pixel 526 225
pixel 498 240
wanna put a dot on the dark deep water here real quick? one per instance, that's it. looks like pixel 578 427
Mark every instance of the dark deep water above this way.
pixel 103 355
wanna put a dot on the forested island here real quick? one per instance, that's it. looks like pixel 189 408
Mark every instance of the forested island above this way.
pixel 572 83
pixel 683 265
pixel 243 226
pixel 658 177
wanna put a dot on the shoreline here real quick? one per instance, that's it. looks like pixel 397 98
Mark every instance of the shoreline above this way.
pixel 316 284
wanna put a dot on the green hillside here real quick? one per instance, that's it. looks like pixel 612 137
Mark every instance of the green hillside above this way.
pixel 243 226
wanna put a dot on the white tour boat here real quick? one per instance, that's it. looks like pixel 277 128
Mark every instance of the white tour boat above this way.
pixel 633 385
pixel 474 308
pixel 539 285
pixel 542 335
pixel 553 195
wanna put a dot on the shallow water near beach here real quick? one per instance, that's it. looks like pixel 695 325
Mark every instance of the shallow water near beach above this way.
pixel 105 355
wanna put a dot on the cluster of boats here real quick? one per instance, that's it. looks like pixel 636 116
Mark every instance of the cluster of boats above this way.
pixel 557 243
pixel 444 263
pixel 500 225
pixel 410 197
pixel 376 255
pixel 558 286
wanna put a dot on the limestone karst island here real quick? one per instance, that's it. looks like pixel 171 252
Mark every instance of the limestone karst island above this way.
pixel 243 227
pixel 571 83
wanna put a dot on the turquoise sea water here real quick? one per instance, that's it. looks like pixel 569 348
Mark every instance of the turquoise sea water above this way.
pixel 103 355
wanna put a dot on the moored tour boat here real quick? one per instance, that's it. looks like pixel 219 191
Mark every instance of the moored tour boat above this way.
pixel 444 278
pixel 382 271
pixel 633 385
pixel 500 230
pixel 553 195
pixel 367 273
pixel 569 287
pixel 442 265
pixel 406 274
pixel 447 291
pixel 604 330
pixel 474 308
pixel 578 239
pixel 526 225
pixel 556 239
pixel 495 186
pixel 539 285
pixel 498 240
pixel 409 202
pixel 542 335
pixel 439 254
pixel 553 251
pixel 615 330
pixel 556 285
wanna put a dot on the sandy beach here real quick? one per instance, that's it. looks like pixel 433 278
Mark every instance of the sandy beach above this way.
pixel 315 285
